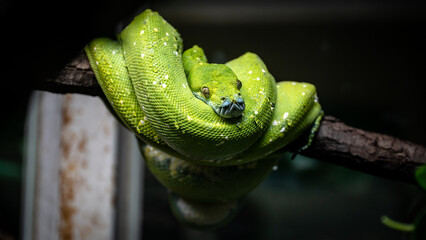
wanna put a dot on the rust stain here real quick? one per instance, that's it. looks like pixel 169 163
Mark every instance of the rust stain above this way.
pixel 66 111
pixel 82 143
pixel 66 120
pixel 66 148
pixel 84 164
pixel 67 142
pixel 67 210
pixel 66 175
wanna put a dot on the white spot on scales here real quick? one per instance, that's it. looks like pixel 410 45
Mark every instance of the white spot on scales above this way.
pixel 285 116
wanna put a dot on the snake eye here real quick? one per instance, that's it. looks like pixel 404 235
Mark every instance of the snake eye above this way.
pixel 239 84
pixel 205 91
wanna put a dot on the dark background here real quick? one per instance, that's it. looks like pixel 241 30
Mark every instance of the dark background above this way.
pixel 367 59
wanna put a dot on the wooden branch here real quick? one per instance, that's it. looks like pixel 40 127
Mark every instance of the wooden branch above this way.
pixel 369 152
pixel 335 142
pixel 76 77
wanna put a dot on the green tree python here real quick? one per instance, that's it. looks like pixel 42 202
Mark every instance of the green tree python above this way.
pixel 207 130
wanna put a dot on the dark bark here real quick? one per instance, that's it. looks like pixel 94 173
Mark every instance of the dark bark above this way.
pixel 335 142
pixel 369 152
pixel 76 77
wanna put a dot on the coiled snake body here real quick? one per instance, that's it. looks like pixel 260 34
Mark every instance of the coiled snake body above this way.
pixel 207 129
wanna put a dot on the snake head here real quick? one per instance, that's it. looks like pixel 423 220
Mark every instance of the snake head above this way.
pixel 218 86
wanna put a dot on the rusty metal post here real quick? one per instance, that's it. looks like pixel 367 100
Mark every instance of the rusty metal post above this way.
pixel 71 169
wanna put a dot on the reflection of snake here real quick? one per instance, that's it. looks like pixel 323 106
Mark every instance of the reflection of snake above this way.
pixel 214 121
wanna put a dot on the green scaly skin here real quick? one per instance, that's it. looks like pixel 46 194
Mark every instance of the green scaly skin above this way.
pixel 196 153
pixel 152 52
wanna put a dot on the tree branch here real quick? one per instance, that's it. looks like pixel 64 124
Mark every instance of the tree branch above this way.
pixel 335 142
pixel 369 152
pixel 76 77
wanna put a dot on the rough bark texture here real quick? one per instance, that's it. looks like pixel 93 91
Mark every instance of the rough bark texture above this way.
pixel 76 77
pixel 335 142
pixel 369 152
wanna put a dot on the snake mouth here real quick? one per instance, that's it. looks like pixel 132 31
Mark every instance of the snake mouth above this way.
pixel 231 109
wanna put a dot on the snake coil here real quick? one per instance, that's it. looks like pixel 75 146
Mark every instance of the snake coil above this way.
pixel 206 160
